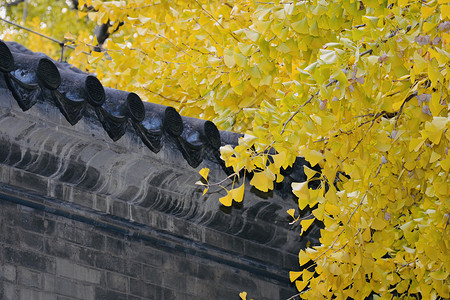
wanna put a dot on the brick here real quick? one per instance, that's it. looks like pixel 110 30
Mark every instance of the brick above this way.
pixel 71 288
pixel 9 291
pixel 101 294
pixel 120 209
pixel 233 280
pixel 140 215
pixel 150 291
pixel 207 272
pixel 86 237
pixel 188 266
pixel 29 181
pixel 82 198
pixel 30 220
pixel 89 256
pixel 263 253
pixel 77 272
pixel 8 272
pixel 188 230
pixel 152 274
pixel 61 249
pixel 223 240
pixel 173 280
pixel 31 241
pixel 115 246
pixel 27 294
pixel 48 282
pixel 140 288
pixel 117 282
pixel 100 203
pixel 28 259
pixel 149 255
pixel 29 278
pixel 4 172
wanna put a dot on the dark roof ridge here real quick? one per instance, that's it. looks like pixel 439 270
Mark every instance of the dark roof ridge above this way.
pixel 32 75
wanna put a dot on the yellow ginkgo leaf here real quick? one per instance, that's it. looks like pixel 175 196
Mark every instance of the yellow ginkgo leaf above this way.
pixel 95 57
pixel 439 275
pixel 303 258
pixel 226 200
pixel 243 295
pixel 291 212
pixel 309 172
pixel 301 26
pixel 293 275
pixel 300 189
pixel 204 173
pixel 314 157
pixel 445 11
pixel 305 225
pixel 263 181
pixel 228 58
pixel 238 193
pixel 300 284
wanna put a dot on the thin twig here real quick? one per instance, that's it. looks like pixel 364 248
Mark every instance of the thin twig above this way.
pixel 162 96
pixel 403 105
pixel 61 43
pixel 216 20
pixel 298 295
pixel 371 125
pixel 343 229
pixel 295 113
pixel 206 31
pixel 308 101
pixel 161 36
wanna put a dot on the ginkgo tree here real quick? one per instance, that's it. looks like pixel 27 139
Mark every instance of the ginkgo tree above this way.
pixel 359 88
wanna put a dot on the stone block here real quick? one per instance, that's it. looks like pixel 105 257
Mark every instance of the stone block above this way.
pixel 101 294
pixel 9 291
pixel 120 209
pixel 4 173
pixel 223 240
pixel 62 249
pixel 31 241
pixel 29 181
pixel 73 289
pixel 263 253
pixel 118 282
pixel 100 203
pixel 149 291
pixel 77 272
pixel 29 278
pixel 8 272
pixel 27 294
pixel 81 197
pixel 173 280
pixel 88 256
pixel 28 259
pixel 115 246
pixel 118 265
pixel 85 237
pixel 152 275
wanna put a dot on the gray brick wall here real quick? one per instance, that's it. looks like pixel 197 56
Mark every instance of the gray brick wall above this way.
pixel 46 256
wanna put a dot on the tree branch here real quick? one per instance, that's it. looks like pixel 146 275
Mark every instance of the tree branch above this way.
pixel 14 3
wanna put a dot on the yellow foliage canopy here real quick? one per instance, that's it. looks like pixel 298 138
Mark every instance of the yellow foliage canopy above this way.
pixel 358 87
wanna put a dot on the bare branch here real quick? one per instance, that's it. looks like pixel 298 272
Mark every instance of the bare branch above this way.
pixel 14 3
